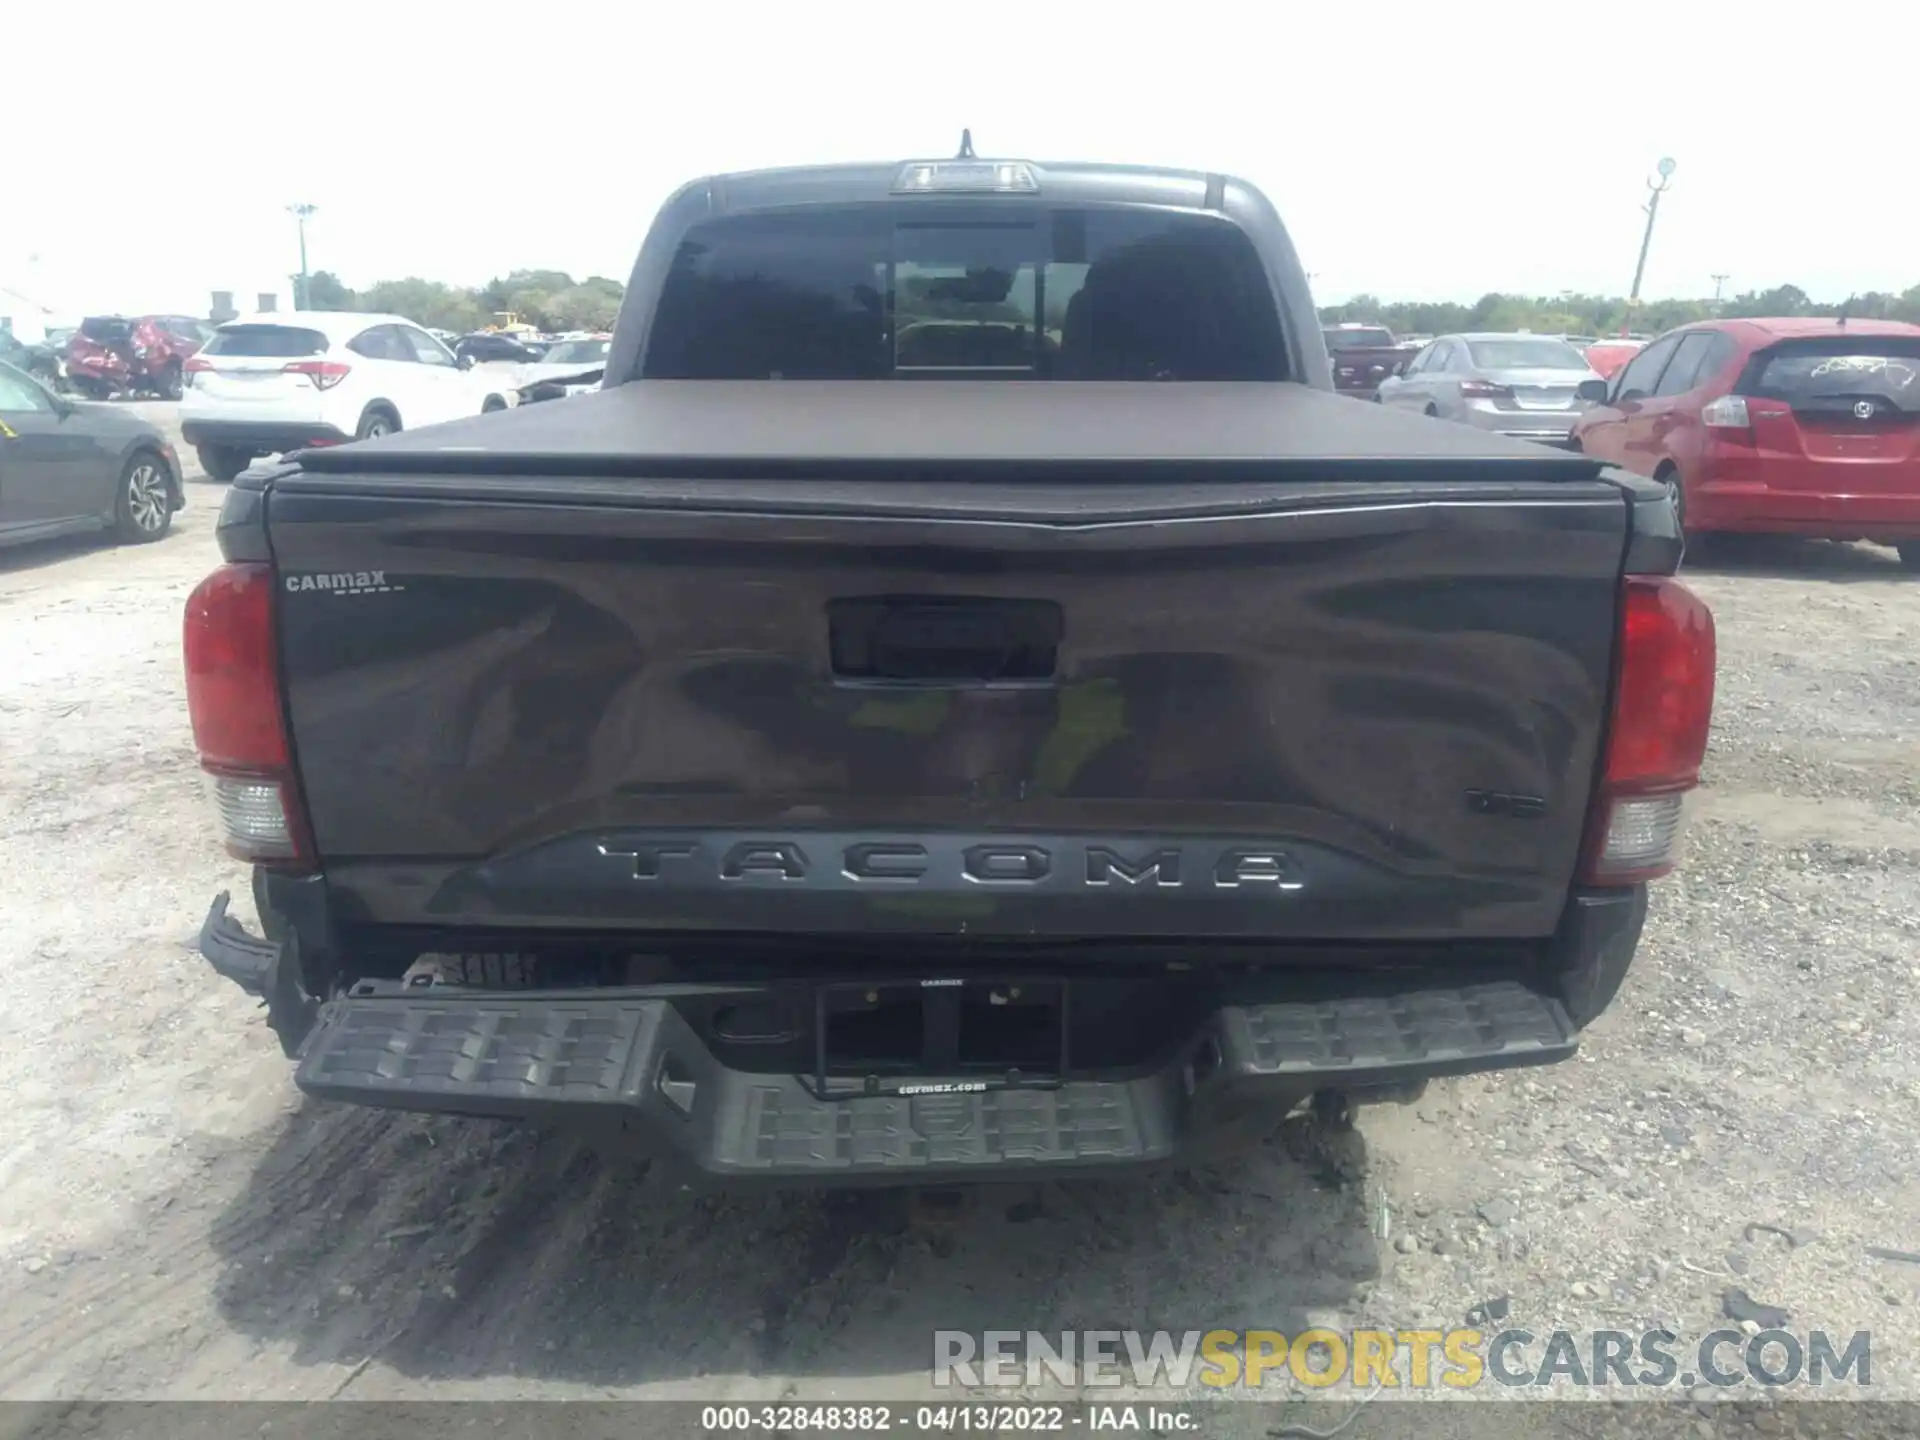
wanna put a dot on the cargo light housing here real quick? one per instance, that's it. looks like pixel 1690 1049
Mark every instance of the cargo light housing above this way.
pixel 967 177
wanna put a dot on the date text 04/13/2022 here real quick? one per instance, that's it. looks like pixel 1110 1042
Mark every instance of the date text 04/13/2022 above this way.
pixel 944 1419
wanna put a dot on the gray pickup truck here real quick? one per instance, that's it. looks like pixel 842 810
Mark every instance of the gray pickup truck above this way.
pixel 966 699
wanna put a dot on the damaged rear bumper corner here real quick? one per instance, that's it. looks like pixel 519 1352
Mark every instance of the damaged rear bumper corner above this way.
pixel 235 952
pixel 268 970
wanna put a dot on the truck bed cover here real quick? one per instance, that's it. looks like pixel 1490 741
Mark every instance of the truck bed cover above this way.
pixel 804 429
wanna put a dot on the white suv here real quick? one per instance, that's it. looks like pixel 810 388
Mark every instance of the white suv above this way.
pixel 279 382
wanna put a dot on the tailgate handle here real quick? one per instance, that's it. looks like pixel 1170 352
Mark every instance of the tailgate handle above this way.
pixel 944 640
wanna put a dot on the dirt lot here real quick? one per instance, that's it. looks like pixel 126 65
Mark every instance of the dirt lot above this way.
pixel 176 1222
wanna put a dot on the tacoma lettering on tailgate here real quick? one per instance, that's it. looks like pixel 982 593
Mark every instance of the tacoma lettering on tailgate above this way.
pixel 698 862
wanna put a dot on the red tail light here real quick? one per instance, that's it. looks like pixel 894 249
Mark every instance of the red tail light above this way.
pixel 197 365
pixel 1485 390
pixel 325 374
pixel 233 700
pixel 1656 734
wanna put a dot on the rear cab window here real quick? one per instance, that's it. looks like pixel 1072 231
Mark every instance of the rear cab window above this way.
pixel 1359 339
pixel 879 292
pixel 267 342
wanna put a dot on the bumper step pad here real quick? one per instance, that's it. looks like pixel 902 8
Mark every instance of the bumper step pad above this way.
pixel 633 1062
pixel 494 1053
pixel 1078 1123
pixel 1437 1032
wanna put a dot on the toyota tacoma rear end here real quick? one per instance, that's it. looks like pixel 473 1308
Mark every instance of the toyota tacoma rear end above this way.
pixel 966 698
pixel 1362 356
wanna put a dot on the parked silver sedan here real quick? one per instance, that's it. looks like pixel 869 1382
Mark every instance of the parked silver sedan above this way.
pixel 1521 385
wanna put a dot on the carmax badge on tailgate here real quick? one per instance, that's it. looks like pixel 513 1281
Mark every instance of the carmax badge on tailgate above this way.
pixel 343 582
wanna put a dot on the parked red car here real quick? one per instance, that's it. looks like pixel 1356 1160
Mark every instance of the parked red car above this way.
pixel 1608 356
pixel 1792 427
pixel 148 354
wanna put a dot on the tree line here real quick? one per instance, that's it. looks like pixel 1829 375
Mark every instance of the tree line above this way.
pixel 1570 314
pixel 549 299
pixel 554 300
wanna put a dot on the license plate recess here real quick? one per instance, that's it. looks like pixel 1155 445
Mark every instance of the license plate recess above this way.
pixel 929 1036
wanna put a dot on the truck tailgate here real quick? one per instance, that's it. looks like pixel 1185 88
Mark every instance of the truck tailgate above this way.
pixel 1202 661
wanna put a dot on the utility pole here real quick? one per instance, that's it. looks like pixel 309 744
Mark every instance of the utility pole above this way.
pixel 1718 281
pixel 1658 185
pixel 301 214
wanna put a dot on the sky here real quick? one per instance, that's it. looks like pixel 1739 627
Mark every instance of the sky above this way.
pixel 1416 151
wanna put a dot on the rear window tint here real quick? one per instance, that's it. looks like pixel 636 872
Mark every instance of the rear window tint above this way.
pixel 1885 367
pixel 105 330
pixel 907 292
pixel 275 342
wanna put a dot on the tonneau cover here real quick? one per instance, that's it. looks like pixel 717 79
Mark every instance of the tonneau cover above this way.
pixel 809 429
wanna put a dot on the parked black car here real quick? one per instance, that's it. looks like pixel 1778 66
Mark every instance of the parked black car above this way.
pixel 484 346
pixel 67 467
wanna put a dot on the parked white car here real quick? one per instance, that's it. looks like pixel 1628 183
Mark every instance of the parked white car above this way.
pixel 268 384
pixel 565 357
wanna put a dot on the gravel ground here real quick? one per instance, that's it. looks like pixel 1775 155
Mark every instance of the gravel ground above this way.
pixel 176 1222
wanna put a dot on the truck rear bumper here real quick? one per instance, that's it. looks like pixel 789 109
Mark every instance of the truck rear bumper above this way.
pixel 632 1065
pixel 626 1064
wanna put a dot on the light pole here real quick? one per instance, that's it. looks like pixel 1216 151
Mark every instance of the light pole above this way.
pixel 301 214
pixel 1658 185
pixel 1718 281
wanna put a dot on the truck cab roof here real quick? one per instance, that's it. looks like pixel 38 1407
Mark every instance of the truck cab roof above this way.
pixel 1054 182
